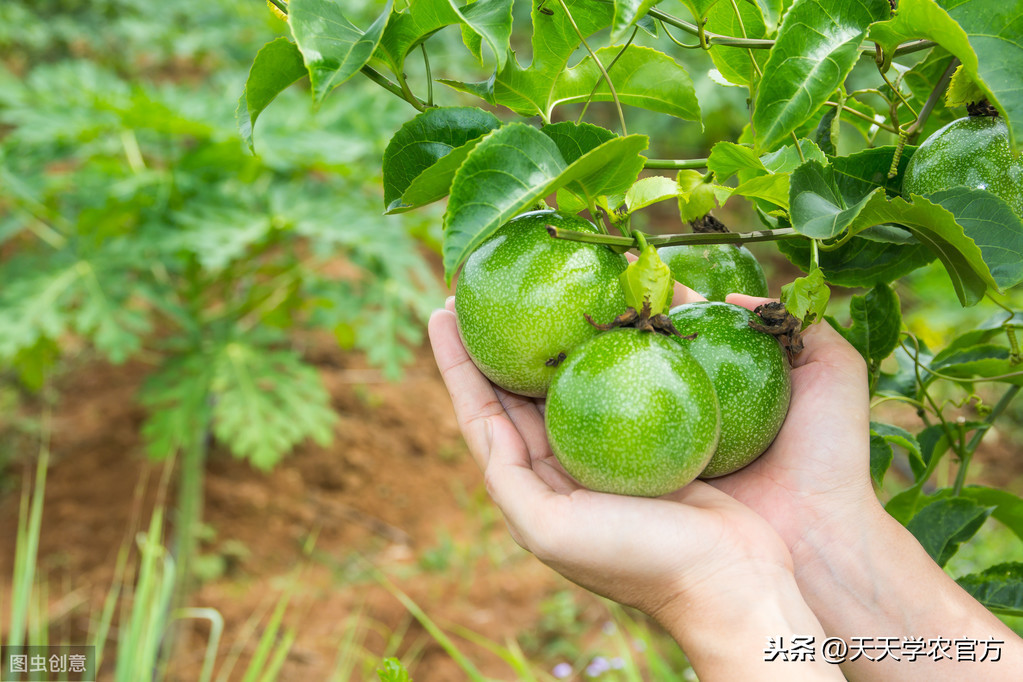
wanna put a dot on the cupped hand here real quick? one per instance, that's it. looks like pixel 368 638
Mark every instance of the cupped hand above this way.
pixel 660 555
pixel 817 470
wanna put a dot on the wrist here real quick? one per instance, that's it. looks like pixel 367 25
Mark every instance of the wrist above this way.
pixel 727 628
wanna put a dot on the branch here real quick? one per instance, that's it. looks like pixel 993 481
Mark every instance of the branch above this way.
pixel 675 164
pixel 676 239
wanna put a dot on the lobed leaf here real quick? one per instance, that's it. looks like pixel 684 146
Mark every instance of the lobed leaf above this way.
pixel 332 47
pixel 738 65
pixel 817 45
pixel 492 21
pixel 626 14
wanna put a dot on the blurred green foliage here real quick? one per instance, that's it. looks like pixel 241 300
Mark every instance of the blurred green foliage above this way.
pixel 134 221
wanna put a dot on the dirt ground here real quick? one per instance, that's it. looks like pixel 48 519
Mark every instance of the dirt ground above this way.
pixel 396 492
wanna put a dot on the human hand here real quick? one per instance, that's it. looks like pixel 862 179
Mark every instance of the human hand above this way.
pixel 693 559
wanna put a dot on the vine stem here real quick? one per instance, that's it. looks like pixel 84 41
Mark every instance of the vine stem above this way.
pixel 939 89
pixel 603 71
pixel 675 164
pixel 766 43
pixel 676 239
pixel 978 435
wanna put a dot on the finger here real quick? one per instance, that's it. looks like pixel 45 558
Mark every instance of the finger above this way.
pixel 511 480
pixel 682 293
pixel 472 394
pixel 449 303
pixel 525 414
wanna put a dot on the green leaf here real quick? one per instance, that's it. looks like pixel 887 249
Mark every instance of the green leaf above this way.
pixel 420 143
pixel 267 401
pixel 512 168
pixel 1008 507
pixel 859 174
pixel 434 183
pixel 576 139
pixel 642 77
pixel 650 190
pixel 773 188
pixel 727 158
pixel 695 196
pixel 333 48
pixel 277 65
pixel 177 397
pixel 648 281
pixel 876 323
pixel 881 456
pixel 819 210
pixel 860 262
pixel 736 64
pixel 699 8
pixel 982 361
pixel 896 435
pixel 795 85
pixel 406 30
pixel 944 524
pixel 627 13
pixel 993 225
pixel 961 90
pixel 787 159
pixel 807 297
pixel 999 588
pixel 393 671
pixel 491 20
pixel 983 34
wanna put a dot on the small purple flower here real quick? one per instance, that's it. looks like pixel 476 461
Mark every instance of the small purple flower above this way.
pixel 597 667
pixel 617 663
pixel 562 670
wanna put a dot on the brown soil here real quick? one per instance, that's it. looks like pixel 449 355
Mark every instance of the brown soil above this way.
pixel 396 491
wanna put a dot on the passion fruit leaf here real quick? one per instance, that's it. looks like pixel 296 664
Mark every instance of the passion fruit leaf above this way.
pixel 527 90
pixel 983 34
pixel 807 297
pixel 333 48
pixel 993 225
pixel 826 134
pixel 773 188
pixel 859 174
pixel 515 166
pixel 943 525
pixel 787 158
pixel 696 197
pixel 896 435
pixel 576 139
pixel 736 63
pixel 961 90
pixel 817 207
pixel 643 77
pixel 794 87
pixel 876 323
pixel 627 13
pixel 984 360
pixel 1008 507
pixel 727 158
pixel 277 65
pixel 491 20
pixel 648 280
pixel 434 183
pixel 881 456
pixel 423 141
pixel 650 190
pixel 860 262
pixel 699 8
pixel 999 588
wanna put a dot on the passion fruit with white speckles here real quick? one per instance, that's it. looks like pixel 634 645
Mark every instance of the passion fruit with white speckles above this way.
pixel 522 297
pixel 629 412
pixel 968 152
pixel 750 373
pixel 715 270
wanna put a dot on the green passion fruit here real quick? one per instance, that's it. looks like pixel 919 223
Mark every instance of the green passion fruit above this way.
pixel 522 296
pixel 750 374
pixel 969 152
pixel 630 412
pixel 715 270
